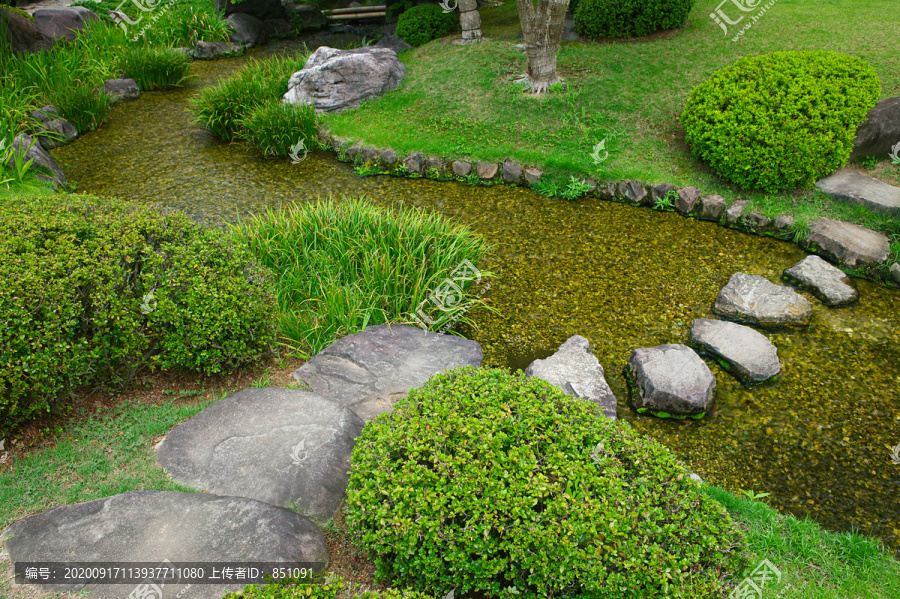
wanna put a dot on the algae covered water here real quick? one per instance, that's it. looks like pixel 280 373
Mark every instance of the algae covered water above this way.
pixel 818 439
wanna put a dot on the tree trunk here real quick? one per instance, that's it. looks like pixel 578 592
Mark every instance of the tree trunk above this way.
pixel 470 21
pixel 542 28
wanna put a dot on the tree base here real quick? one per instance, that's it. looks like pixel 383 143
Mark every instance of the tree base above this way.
pixel 530 86
pixel 462 42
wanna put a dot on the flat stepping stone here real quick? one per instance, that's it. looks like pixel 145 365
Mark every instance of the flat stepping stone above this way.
pixel 154 526
pixel 756 300
pixel 746 353
pixel 575 370
pixel 847 244
pixel 670 381
pixel 286 447
pixel 848 185
pixel 827 282
pixel 370 371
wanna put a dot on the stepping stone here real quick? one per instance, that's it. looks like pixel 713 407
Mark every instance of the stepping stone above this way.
pixel 154 526
pixel 847 244
pixel 746 353
pixel 286 447
pixel 575 370
pixel 370 371
pixel 756 300
pixel 826 282
pixel 848 185
pixel 669 381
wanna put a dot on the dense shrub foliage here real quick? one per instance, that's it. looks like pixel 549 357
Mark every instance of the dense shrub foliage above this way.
pixel 221 108
pixel 94 291
pixel 275 127
pixel 342 266
pixel 629 18
pixel 333 587
pixel 494 483
pixel 421 24
pixel 780 120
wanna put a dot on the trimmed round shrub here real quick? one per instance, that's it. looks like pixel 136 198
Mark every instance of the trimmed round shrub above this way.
pixel 421 24
pixel 95 290
pixel 628 18
pixel 495 483
pixel 780 120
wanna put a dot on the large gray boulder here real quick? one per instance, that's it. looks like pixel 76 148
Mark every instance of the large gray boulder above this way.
pixel 155 526
pixel 746 353
pixel 334 80
pixel 370 371
pixel 247 30
pixel 575 370
pixel 848 185
pixel 669 380
pixel 848 244
pixel 121 90
pixel 879 132
pixel 62 22
pixel 828 283
pixel 20 33
pixel 756 300
pixel 42 160
pixel 286 447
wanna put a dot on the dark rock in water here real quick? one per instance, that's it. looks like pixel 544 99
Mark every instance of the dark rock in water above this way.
pixel 334 80
pixel 756 300
pixel 880 132
pixel 213 50
pixel 747 353
pixel 370 371
pixel 575 370
pixel 848 244
pixel 62 22
pixel 825 281
pixel 261 9
pixel 285 447
pixel 670 380
pixel 156 526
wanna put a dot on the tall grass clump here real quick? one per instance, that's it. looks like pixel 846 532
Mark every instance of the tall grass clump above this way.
pixel 275 127
pixel 342 266
pixel 220 108
pixel 155 68
pixel 182 24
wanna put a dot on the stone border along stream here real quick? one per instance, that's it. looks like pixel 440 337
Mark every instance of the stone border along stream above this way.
pixel 855 247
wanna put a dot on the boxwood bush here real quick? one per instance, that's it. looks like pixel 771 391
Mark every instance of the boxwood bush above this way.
pixel 494 483
pixel 780 120
pixel 628 18
pixel 95 290
pixel 332 587
pixel 421 24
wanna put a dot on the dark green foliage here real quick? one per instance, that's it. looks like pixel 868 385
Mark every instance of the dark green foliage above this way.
pixel 629 18
pixel 421 24
pixel 85 108
pixel 499 484
pixel 95 290
pixel 155 68
pixel 781 120
pixel 332 587
pixel 275 127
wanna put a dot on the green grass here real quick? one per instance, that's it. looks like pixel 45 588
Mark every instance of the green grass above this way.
pixel 343 266
pixel 275 127
pixel 459 102
pixel 155 67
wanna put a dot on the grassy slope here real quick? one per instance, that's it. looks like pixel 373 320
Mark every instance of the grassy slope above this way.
pixel 457 101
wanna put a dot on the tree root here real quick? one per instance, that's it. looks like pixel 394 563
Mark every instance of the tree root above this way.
pixel 536 87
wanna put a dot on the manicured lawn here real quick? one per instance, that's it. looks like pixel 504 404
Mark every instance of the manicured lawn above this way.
pixel 457 101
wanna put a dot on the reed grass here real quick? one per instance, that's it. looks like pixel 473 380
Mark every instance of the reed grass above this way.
pixel 275 127
pixel 155 67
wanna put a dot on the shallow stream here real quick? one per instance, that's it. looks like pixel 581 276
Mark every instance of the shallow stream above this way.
pixel 818 439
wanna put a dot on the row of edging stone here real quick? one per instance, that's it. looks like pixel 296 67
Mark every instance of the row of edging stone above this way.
pixel 689 201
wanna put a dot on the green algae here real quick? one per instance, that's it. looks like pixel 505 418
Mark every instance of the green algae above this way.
pixel 622 277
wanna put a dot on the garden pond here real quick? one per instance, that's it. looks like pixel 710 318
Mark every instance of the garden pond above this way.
pixel 818 439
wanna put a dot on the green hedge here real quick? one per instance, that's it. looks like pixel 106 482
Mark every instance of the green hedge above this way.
pixel 95 290
pixel 780 120
pixel 494 483
pixel 333 587
pixel 421 24
pixel 628 18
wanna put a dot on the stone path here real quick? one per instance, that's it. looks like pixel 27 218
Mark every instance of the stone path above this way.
pixel 847 244
pixel 756 300
pixel 826 282
pixel 848 185
pixel 748 354
pixel 670 380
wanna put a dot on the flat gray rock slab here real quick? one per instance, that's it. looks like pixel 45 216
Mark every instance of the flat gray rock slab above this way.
pixel 286 447
pixel 154 526
pixel 827 282
pixel 848 185
pixel 575 370
pixel 370 371
pixel 848 244
pixel 747 354
pixel 756 300
pixel 670 380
